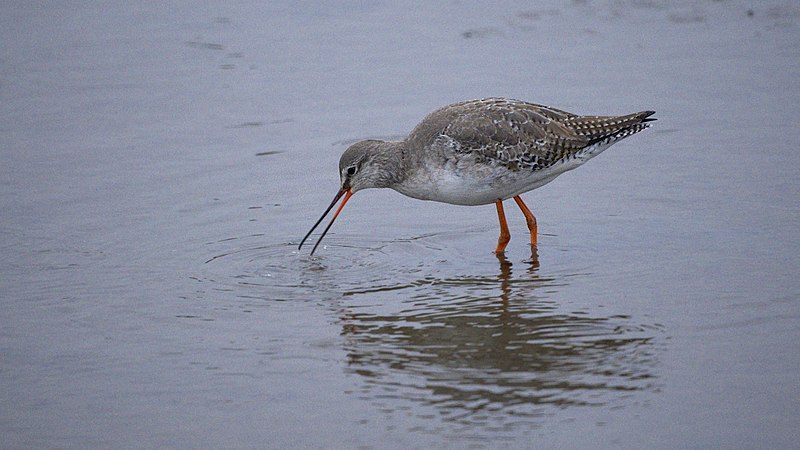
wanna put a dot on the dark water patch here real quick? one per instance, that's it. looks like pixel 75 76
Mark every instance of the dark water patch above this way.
pixel 350 141
pixel 689 17
pixel 480 33
pixel 538 14
pixel 204 45
pixel 258 123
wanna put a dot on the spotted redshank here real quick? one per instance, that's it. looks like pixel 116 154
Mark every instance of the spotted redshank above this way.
pixel 479 152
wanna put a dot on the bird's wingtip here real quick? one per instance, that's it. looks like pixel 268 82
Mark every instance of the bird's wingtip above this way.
pixel 644 116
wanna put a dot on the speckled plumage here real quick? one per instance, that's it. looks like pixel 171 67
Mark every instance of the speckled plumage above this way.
pixel 517 134
pixel 483 151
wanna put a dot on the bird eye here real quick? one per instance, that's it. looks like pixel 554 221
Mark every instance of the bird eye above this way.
pixel 351 170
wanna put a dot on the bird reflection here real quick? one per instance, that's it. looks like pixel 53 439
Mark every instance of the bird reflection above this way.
pixel 479 349
pixel 505 268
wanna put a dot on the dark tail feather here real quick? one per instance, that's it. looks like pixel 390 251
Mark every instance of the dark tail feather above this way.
pixel 643 116
pixel 625 126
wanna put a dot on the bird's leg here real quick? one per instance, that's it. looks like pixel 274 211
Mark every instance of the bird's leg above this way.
pixel 505 236
pixel 528 218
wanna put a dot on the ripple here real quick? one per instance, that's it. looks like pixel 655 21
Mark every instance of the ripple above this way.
pixel 278 271
pixel 493 355
pixel 478 341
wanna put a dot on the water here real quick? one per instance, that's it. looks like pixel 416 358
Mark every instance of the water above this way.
pixel 160 164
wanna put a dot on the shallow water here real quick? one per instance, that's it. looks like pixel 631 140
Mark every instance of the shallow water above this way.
pixel 160 163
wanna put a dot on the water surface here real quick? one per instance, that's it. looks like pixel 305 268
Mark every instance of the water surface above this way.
pixel 160 163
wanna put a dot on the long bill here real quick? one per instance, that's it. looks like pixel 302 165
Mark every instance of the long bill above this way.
pixel 347 194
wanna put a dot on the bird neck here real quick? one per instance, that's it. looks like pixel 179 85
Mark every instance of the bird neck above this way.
pixel 390 156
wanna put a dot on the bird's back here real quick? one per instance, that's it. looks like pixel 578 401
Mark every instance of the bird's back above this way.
pixel 520 134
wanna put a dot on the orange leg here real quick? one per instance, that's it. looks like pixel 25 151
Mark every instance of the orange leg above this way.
pixel 528 218
pixel 505 236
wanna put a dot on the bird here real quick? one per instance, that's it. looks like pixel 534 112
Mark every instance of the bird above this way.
pixel 479 152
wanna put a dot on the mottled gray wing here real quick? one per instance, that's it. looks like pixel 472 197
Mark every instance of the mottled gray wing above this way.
pixel 521 135
pixel 518 135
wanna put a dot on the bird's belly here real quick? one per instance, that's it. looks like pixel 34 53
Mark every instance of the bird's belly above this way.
pixel 474 187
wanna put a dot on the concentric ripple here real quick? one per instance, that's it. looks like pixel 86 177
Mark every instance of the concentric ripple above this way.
pixel 279 271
